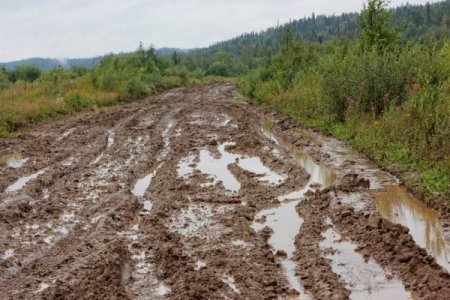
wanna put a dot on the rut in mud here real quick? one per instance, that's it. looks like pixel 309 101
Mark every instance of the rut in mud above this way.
pixel 184 196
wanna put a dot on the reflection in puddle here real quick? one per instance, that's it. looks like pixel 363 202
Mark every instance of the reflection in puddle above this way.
pixel 424 224
pixel 19 184
pixel 267 131
pixel 284 219
pixel 217 168
pixel 318 174
pixel 364 280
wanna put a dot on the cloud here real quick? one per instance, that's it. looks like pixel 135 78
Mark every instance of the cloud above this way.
pixel 83 28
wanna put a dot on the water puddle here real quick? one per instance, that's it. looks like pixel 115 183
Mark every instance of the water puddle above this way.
pixel 228 280
pixel 21 182
pixel 284 219
pixel 110 140
pixel 393 202
pixel 65 134
pixel 396 205
pixel 14 161
pixel 141 186
pixel 68 162
pixel 199 265
pixel 364 280
pixel 217 168
pixel 166 141
pixel 162 290
pixel 255 165
pixel 8 254
pixel 319 175
pixel 267 131
pixel 42 287
pixel 241 243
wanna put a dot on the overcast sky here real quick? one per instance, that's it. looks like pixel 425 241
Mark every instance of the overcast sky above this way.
pixel 84 28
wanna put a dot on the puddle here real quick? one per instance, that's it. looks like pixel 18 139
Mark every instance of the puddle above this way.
pixel 255 165
pixel 65 134
pixel 8 254
pixel 199 265
pixel 68 162
pixel 49 239
pixel 396 205
pixel 241 243
pixel 97 159
pixel 364 280
pixel 14 161
pixel 141 186
pixel 217 168
pixel 162 290
pixel 267 131
pixel 228 280
pixel 42 287
pixel 111 137
pixel 166 141
pixel 284 219
pixel 19 184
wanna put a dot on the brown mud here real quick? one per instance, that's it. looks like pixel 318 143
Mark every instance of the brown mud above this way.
pixel 158 199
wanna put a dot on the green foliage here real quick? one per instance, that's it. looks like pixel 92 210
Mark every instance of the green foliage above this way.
pixel 77 102
pixel 226 65
pixel 391 100
pixel 375 25
pixel 4 81
pixel 24 73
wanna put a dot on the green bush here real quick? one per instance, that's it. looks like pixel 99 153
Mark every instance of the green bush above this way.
pixel 77 102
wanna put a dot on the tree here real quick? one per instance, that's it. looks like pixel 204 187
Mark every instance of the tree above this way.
pixel 375 25
pixel 175 58
pixel 25 73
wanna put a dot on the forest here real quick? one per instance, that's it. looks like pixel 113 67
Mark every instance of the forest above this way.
pixel 379 80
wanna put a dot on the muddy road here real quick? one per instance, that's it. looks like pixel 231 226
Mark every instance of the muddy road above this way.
pixel 194 194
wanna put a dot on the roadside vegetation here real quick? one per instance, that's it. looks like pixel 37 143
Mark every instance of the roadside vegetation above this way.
pixel 388 97
pixel 28 95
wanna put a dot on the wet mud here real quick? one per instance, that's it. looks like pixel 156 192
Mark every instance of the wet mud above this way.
pixel 192 194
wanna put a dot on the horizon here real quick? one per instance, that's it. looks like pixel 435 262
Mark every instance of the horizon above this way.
pixel 26 41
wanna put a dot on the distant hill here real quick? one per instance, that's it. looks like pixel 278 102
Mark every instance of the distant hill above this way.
pixel 46 64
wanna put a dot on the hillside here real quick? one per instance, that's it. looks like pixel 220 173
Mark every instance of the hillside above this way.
pixel 417 21
pixel 47 64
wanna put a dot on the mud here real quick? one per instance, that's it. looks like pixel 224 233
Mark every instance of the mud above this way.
pixel 159 199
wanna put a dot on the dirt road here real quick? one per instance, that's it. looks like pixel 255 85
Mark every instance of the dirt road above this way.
pixel 194 194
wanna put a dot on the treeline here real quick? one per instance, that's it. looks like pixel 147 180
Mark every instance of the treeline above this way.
pixel 28 94
pixel 419 23
pixel 386 97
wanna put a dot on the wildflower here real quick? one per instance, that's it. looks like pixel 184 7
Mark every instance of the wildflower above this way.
pixel 351 101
